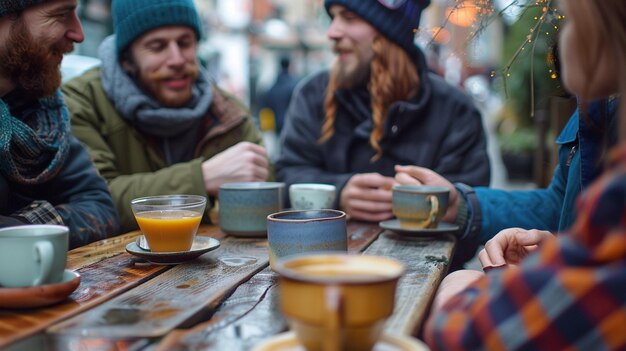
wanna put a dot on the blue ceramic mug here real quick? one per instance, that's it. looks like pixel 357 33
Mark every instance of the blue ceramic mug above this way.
pixel 244 207
pixel 297 232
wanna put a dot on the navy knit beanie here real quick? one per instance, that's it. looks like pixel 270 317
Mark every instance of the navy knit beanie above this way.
pixel 132 18
pixel 398 25
pixel 8 7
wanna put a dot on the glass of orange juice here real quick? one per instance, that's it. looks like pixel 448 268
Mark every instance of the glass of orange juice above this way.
pixel 169 222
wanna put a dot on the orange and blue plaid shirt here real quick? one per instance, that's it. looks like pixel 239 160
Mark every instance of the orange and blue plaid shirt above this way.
pixel 571 294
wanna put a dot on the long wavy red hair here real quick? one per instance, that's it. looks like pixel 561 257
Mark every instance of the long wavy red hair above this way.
pixel 393 78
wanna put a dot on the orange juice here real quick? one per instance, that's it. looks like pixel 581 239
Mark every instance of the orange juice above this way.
pixel 169 230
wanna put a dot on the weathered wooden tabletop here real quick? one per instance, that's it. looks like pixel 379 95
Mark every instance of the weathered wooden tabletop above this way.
pixel 224 300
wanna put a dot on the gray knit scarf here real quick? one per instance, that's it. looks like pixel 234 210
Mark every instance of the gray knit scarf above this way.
pixel 34 146
pixel 175 128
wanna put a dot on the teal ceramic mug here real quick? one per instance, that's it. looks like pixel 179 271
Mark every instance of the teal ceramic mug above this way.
pixel 244 207
pixel 419 206
pixel 297 232
pixel 32 255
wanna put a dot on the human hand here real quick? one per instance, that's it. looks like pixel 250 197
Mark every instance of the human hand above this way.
pixel 243 162
pixel 425 176
pixel 454 283
pixel 367 197
pixel 511 245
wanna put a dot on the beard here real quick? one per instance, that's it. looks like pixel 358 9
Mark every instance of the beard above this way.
pixel 32 66
pixel 353 75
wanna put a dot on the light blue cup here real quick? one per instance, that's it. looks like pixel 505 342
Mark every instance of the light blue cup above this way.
pixel 297 232
pixel 32 255
pixel 419 206
pixel 244 207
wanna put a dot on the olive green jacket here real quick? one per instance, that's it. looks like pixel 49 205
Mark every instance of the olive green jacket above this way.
pixel 129 161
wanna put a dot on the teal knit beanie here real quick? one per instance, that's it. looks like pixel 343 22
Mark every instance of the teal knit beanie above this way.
pixel 132 18
pixel 398 20
pixel 8 7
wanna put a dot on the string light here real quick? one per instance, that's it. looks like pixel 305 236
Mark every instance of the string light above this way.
pixel 485 13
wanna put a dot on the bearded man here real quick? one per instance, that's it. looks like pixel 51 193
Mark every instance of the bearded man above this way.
pixel 378 107
pixel 151 117
pixel 46 176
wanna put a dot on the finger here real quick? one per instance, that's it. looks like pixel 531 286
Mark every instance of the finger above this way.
pixel 419 173
pixel 494 250
pixel 532 237
pixel 372 180
pixel 404 178
pixel 483 257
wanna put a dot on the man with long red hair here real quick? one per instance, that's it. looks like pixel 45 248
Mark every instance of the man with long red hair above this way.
pixel 378 107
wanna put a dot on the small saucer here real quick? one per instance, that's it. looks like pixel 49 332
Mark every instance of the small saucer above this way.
pixel 201 245
pixel 288 342
pixel 41 295
pixel 394 226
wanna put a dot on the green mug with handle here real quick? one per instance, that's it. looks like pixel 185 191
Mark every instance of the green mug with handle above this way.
pixel 32 255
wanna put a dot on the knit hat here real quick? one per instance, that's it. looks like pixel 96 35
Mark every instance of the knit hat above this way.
pixel 132 18
pixel 8 7
pixel 398 25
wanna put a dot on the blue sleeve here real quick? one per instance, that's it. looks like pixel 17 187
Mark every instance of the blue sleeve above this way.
pixel 82 198
pixel 529 209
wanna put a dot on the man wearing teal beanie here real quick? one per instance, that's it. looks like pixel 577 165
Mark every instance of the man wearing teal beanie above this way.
pixel 152 119
pixel 133 18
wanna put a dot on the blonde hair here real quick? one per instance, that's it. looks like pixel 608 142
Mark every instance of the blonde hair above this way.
pixel 393 78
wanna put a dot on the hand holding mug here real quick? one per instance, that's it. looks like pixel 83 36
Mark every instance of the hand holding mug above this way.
pixel 243 162
pixel 425 176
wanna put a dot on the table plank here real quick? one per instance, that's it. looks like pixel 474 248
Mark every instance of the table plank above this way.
pixel 184 294
pixel 106 271
pixel 252 314
pixel 426 261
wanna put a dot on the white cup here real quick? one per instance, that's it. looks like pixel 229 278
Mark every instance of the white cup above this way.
pixel 312 196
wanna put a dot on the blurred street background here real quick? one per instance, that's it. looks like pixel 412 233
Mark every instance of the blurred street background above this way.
pixel 499 51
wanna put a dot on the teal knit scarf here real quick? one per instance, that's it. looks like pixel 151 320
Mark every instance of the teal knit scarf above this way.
pixel 34 146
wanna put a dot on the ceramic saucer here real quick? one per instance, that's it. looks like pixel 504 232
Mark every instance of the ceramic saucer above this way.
pixel 288 342
pixel 201 245
pixel 41 295
pixel 394 226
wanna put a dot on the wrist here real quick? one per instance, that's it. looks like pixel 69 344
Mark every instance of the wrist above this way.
pixel 469 208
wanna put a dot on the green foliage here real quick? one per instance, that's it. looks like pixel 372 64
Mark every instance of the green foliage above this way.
pixel 536 54
pixel 521 140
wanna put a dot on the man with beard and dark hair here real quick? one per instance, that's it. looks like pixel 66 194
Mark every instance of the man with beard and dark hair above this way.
pixel 46 176
pixel 152 119
pixel 377 108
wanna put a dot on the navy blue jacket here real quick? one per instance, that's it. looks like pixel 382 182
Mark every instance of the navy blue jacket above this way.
pixel 440 129
pixel 78 194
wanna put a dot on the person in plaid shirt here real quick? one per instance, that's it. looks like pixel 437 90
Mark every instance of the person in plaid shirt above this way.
pixel 542 292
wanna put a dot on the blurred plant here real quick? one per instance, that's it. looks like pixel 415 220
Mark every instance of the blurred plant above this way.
pixel 528 72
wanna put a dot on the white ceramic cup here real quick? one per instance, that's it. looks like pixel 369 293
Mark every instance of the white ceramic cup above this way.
pixel 32 255
pixel 312 196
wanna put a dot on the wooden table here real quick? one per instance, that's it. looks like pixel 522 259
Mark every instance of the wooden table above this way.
pixel 226 299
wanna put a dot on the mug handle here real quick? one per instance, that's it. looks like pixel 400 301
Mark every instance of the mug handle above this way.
pixel 333 303
pixel 44 254
pixel 434 211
